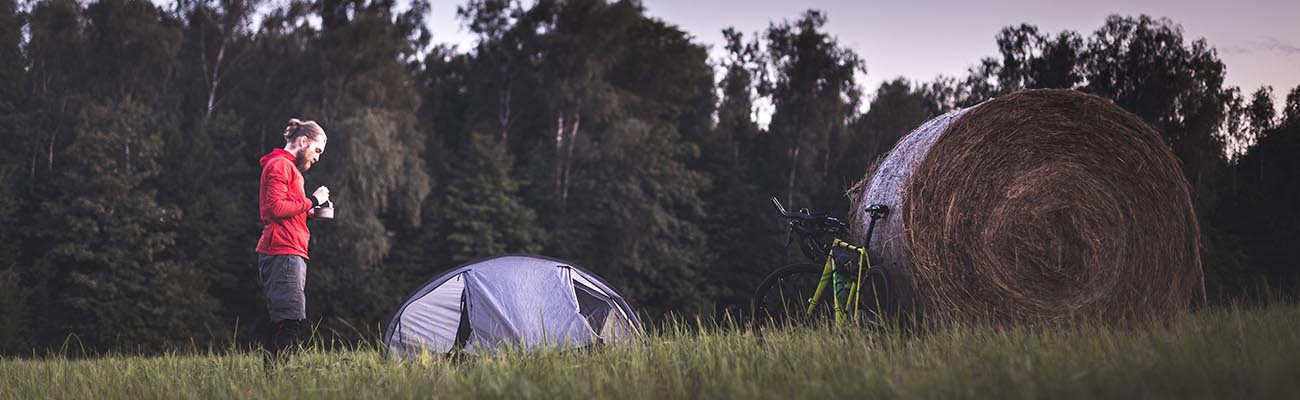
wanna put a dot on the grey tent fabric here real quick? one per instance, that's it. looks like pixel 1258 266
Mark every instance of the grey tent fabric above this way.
pixel 441 313
pixel 507 307
pixel 519 301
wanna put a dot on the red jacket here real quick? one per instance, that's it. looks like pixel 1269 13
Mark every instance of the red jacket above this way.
pixel 282 206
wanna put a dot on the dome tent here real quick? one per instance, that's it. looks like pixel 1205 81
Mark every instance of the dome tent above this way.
pixel 521 301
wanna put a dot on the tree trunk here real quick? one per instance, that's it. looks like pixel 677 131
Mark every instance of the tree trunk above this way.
pixel 214 80
pixel 503 113
pixel 568 157
pixel 794 166
pixel 559 153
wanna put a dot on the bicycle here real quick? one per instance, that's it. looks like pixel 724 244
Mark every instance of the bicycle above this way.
pixel 793 294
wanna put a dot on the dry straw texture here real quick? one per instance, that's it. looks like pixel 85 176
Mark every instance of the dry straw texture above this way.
pixel 1037 206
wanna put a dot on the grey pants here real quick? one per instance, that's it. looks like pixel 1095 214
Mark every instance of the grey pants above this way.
pixel 283 279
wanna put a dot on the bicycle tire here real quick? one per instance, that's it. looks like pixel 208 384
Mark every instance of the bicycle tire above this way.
pixel 782 299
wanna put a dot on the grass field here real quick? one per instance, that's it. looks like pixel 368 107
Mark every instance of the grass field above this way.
pixel 1214 353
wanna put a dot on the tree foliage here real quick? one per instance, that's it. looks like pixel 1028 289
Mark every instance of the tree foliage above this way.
pixel 580 129
pixel 481 209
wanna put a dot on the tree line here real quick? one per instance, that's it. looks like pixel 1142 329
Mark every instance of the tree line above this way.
pixel 579 129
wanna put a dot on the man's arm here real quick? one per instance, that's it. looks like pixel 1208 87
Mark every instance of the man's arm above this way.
pixel 279 204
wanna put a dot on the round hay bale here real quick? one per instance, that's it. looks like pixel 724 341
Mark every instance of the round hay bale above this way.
pixel 1037 206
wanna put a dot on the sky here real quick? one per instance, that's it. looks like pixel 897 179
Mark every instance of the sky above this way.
pixel 1258 40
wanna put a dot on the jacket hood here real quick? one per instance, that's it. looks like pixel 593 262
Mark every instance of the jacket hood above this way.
pixel 278 153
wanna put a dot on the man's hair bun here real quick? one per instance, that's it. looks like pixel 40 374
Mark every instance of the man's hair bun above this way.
pixel 294 123
pixel 299 127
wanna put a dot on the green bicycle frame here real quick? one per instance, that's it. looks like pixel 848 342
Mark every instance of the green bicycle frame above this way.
pixel 828 273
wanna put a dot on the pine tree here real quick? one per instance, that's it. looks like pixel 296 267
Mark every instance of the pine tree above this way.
pixel 480 211
pixel 114 287
pixel 206 177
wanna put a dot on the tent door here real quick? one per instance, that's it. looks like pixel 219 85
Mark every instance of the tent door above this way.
pixel 464 330
pixel 593 308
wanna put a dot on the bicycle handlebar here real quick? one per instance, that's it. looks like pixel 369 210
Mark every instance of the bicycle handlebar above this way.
pixel 876 211
pixel 801 214
pixel 815 230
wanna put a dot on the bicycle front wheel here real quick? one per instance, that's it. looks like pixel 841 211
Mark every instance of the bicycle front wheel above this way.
pixel 783 297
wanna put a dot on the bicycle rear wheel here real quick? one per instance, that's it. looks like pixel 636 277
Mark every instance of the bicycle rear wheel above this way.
pixel 783 297
pixel 877 296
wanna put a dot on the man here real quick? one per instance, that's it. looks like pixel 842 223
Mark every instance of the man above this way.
pixel 282 250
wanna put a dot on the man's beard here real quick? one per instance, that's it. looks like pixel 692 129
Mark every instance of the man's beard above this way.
pixel 304 163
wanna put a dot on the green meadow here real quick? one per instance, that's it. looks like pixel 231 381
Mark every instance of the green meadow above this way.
pixel 1213 353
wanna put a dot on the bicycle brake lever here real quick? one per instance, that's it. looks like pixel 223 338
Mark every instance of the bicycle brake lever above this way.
pixel 789 235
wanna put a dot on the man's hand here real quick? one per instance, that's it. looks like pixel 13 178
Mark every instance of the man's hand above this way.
pixel 322 195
